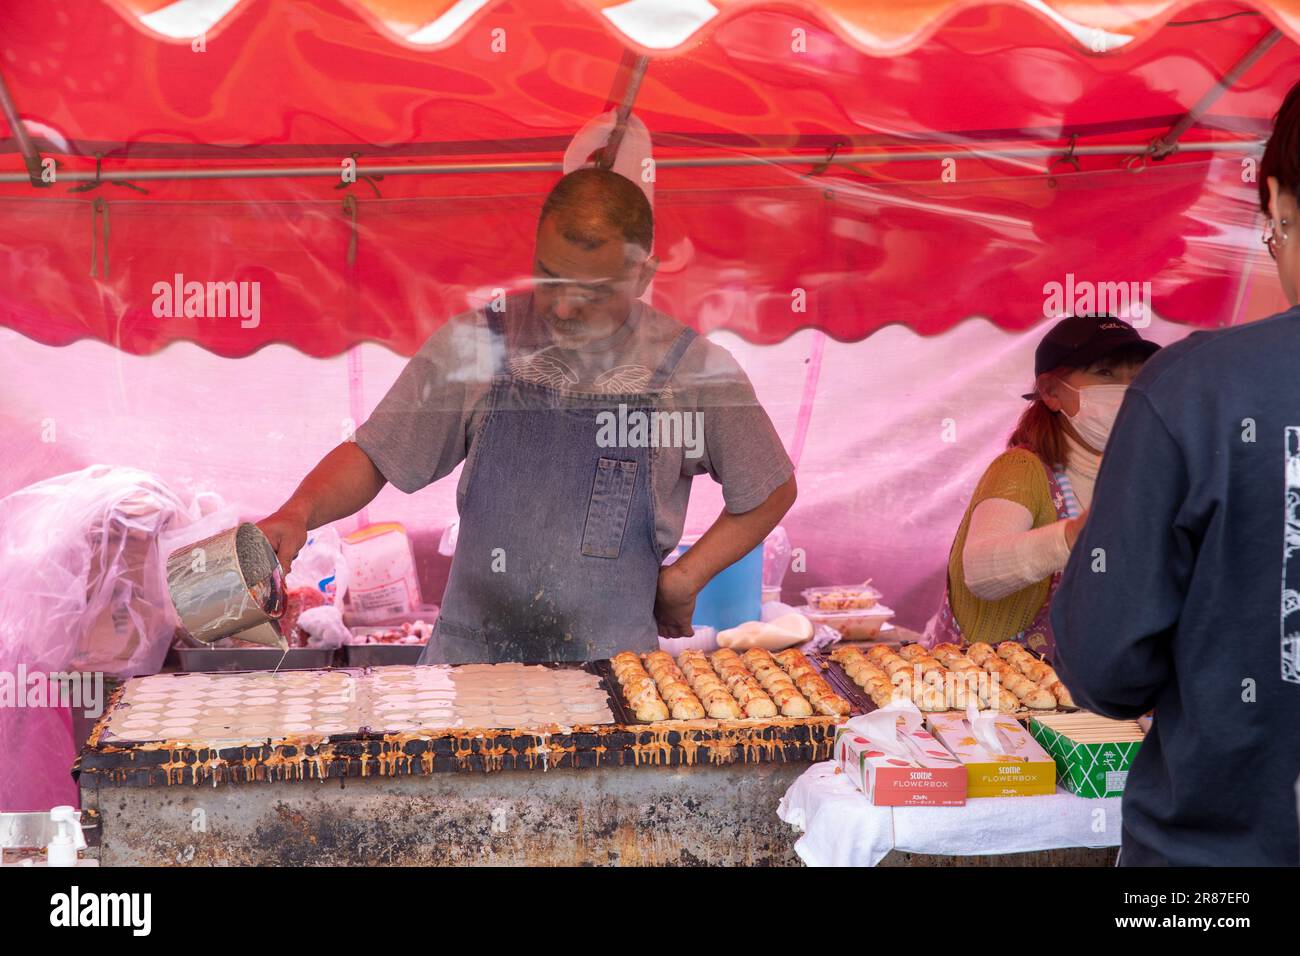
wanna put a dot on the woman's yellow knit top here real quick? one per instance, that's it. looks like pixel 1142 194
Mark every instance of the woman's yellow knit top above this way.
pixel 1016 475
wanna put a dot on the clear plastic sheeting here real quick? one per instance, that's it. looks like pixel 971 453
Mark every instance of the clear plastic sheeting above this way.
pixel 81 584
pixel 81 590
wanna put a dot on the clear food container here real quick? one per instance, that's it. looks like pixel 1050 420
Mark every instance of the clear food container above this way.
pixel 860 624
pixel 845 597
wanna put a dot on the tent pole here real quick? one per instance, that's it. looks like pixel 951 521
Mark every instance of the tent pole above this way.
pixel 31 156
pixel 1164 145
pixel 546 166
pixel 630 74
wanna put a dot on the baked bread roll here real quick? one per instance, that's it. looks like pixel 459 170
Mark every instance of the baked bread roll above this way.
pixel 1007 648
pixel 1041 673
pixel 1058 690
pixel 953 658
pixel 877 652
pixel 650 711
pixel 777 683
pixel 687 709
pixel 791 702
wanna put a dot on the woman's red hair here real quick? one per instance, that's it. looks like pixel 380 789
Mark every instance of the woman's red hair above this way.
pixel 1039 430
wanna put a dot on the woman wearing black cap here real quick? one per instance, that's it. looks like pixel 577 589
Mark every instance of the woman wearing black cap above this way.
pixel 1031 502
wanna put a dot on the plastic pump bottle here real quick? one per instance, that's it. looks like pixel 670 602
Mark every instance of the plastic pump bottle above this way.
pixel 62 850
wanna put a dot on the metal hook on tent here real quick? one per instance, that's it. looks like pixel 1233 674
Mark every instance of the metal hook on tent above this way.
pixel 826 163
pixel 1068 158
pixel 350 209
pixel 98 212
pixel 368 178
pixel 1138 162
pixel 97 181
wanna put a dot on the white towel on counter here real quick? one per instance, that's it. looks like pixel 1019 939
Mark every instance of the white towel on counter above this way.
pixel 841 828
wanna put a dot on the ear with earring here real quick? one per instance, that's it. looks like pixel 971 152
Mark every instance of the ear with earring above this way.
pixel 1274 233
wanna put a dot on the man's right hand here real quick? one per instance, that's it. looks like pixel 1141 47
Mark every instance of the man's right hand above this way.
pixel 287 532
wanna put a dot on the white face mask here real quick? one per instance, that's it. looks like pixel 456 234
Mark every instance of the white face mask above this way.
pixel 1098 406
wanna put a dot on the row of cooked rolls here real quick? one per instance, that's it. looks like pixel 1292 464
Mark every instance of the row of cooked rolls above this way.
pixel 811 684
pixel 1013 661
pixel 740 683
pixel 886 675
pixel 947 677
pixel 777 683
pixel 639 688
pixel 724 685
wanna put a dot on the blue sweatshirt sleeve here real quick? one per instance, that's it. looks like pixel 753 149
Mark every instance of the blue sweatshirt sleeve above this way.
pixel 1115 613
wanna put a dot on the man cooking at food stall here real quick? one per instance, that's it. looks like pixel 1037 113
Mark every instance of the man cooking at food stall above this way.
pixel 582 415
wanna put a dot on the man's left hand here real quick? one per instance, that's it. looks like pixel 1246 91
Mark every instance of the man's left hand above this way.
pixel 675 603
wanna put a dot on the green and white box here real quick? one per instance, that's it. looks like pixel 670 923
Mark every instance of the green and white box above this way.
pixel 1093 754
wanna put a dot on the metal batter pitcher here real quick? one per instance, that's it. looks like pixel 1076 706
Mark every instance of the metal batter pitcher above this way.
pixel 229 583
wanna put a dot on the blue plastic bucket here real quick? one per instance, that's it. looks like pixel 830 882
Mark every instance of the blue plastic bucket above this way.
pixel 734 596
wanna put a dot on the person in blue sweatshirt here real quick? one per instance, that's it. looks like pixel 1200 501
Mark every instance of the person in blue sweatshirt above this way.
pixel 1182 593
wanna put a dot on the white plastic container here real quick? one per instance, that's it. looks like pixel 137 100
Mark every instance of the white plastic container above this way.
pixel 382 568
pixel 862 624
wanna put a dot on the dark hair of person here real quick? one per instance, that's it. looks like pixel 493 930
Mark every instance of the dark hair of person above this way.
pixel 591 204
pixel 1282 154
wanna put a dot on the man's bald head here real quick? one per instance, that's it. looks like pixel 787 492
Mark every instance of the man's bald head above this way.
pixel 594 206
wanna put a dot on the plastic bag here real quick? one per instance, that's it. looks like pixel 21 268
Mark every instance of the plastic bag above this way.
pixel 82 588
pixel 447 542
pixel 321 565
pixel 324 626
pixel 776 557
pixel 83 574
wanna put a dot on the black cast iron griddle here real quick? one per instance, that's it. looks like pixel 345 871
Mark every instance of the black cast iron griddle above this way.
pixel 373 751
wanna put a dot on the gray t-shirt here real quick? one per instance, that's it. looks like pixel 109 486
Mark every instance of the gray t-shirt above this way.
pixel 424 427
